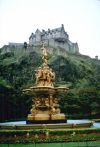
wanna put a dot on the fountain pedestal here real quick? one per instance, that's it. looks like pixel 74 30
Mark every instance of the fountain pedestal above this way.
pixel 45 107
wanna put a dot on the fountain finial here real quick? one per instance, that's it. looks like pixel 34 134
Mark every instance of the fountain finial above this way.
pixel 44 53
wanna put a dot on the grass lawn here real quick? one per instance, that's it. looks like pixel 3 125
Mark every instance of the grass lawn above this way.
pixel 70 144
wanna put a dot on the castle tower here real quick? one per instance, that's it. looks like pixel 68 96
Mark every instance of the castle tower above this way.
pixel 38 35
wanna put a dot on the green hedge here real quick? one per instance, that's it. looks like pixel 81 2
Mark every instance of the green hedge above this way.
pixel 50 139
pixel 55 132
pixel 77 131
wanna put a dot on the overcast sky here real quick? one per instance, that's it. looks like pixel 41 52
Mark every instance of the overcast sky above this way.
pixel 81 19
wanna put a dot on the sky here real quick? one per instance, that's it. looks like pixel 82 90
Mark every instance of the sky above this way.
pixel 81 19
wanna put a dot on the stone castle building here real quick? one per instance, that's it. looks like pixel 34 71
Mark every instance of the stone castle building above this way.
pixel 56 38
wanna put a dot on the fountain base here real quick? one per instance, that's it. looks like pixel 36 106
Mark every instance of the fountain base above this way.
pixel 46 118
pixel 45 121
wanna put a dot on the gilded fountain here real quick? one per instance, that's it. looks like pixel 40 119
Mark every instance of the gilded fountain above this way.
pixel 45 105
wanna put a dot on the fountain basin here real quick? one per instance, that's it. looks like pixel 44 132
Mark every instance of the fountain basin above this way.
pixel 22 125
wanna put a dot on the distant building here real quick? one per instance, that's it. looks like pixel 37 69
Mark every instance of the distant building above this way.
pixel 16 45
pixel 96 57
pixel 56 38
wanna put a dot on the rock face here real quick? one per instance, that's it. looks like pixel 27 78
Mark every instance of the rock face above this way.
pixel 56 38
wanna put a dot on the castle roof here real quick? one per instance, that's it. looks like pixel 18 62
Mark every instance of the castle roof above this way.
pixel 49 31
pixel 55 30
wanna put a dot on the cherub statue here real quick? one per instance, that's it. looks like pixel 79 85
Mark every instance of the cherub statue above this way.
pixel 45 55
pixel 38 74
pixel 50 77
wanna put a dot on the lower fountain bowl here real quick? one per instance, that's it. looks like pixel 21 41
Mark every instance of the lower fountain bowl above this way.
pixel 54 124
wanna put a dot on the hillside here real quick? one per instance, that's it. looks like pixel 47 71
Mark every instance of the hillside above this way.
pixel 80 73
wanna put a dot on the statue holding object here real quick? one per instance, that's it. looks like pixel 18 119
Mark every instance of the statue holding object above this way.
pixel 44 74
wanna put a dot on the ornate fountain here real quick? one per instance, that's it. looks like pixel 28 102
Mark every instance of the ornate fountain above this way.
pixel 45 106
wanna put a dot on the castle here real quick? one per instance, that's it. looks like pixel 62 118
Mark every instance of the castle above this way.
pixel 56 38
